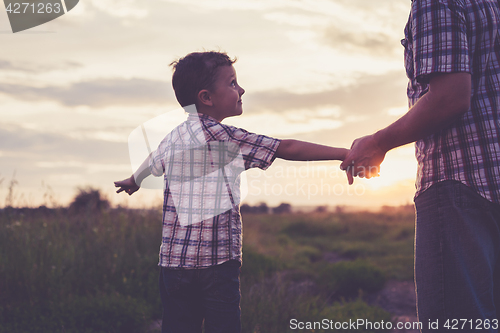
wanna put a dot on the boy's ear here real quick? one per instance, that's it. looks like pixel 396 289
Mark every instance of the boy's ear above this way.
pixel 204 97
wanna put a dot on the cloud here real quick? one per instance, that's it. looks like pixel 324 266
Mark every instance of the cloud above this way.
pixel 30 146
pixel 360 108
pixel 122 8
pixel 370 95
pixel 95 93
pixel 60 161
pixel 32 68
pixel 375 27
pixel 213 5
pixel 378 43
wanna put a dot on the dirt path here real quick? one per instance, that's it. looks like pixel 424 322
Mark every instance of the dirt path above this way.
pixel 398 298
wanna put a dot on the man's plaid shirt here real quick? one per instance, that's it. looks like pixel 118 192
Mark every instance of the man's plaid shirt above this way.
pixel 201 219
pixel 448 36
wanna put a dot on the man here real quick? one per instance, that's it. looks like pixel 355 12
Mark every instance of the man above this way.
pixel 452 53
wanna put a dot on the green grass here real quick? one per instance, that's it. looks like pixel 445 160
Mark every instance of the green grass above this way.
pixel 96 271
pixel 65 268
pixel 383 239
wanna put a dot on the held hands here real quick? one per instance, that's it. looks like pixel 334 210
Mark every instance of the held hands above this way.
pixel 127 185
pixel 364 159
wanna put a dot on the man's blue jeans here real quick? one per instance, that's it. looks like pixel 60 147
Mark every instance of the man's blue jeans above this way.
pixel 457 259
pixel 191 296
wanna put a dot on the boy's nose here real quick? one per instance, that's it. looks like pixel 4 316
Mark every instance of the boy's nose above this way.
pixel 242 91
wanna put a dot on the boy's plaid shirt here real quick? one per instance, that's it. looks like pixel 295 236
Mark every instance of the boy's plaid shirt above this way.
pixel 201 219
pixel 447 36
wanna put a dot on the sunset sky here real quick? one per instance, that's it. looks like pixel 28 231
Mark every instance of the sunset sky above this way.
pixel 325 71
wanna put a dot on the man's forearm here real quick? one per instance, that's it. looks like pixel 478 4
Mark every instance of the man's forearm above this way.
pixel 447 99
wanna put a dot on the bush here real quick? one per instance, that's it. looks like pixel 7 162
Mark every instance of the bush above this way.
pixel 308 254
pixel 312 229
pixel 283 208
pixel 257 266
pixel 88 200
pixel 260 209
pixel 346 278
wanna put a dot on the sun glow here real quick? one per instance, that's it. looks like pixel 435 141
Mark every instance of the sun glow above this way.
pixel 396 168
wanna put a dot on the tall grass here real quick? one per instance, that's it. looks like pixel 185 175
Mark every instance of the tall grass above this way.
pixel 95 270
pixel 63 269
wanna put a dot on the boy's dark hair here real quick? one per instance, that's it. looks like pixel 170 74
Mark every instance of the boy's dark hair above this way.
pixel 195 72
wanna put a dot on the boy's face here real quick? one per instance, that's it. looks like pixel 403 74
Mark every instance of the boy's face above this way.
pixel 226 95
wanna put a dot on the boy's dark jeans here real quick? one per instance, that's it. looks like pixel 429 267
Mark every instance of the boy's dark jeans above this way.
pixel 191 296
pixel 457 259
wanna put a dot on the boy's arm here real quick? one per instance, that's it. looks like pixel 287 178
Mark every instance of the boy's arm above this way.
pixel 295 150
pixel 133 183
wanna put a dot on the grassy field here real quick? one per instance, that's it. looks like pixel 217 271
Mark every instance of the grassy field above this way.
pixel 95 270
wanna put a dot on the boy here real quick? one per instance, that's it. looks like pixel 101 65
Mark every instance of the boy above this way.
pixel 200 255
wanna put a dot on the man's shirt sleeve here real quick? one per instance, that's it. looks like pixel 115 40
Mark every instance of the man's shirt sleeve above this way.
pixel 439 38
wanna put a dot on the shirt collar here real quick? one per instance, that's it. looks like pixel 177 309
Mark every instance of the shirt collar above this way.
pixel 201 116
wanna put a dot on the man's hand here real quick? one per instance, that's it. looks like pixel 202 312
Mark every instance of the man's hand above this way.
pixel 128 185
pixel 364 159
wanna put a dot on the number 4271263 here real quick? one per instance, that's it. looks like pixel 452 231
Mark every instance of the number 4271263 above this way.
pixel 469 324
pixel 39 8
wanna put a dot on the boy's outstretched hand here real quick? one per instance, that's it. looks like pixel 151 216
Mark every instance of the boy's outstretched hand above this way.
pixel 128 185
